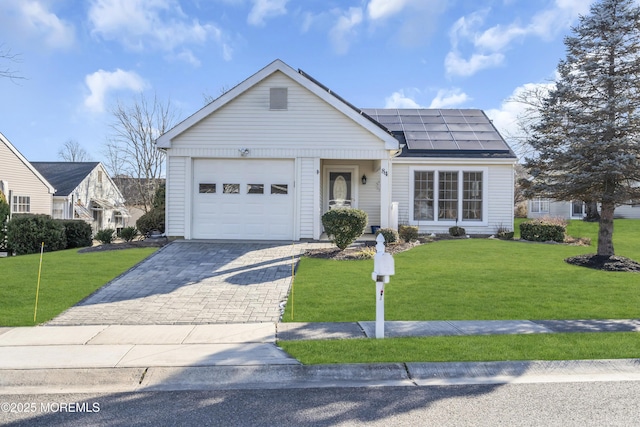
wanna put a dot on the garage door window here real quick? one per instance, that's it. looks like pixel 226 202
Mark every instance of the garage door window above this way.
pixel 279 189
pixel 255 188
pixel 231 188
pixel 207 188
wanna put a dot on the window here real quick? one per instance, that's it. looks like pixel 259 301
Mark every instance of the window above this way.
pixel 448 195
pixel 255 188
pixel 540 205
pixel 21 204
pixel 423 196
pixel 279 189
pixel 231 188
pixel 472 196
pixel 207 188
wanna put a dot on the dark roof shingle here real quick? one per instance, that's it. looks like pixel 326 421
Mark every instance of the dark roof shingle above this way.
pixel 65 176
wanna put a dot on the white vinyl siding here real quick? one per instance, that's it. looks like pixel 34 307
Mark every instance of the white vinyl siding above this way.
pixel 308 126
pixel 496 196
pixel 307 195
pixel 177 188
pixel 24 182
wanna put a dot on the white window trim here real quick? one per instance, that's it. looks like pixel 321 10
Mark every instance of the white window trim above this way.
pixel 15 203
pixel 436 178
pixel 539 201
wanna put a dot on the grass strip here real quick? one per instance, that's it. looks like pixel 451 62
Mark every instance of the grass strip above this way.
pixel 67 278
pixel 561 346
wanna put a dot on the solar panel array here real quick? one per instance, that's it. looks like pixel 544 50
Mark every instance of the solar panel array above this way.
pixel 435 129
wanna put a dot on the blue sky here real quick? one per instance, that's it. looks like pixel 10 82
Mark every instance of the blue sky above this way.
pixel 78 58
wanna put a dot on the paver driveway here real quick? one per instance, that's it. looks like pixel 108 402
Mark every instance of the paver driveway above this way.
pixel 190 282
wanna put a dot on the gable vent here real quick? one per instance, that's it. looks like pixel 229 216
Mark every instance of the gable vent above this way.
pixel 278 98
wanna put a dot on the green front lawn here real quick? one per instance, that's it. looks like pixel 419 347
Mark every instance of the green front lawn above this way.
pixel 474 279
pixel 573 346
pixel 67 277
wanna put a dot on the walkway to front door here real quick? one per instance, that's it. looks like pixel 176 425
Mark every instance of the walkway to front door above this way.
pixel 190 282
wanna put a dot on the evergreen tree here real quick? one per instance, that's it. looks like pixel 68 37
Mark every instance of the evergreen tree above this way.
pixel 587 142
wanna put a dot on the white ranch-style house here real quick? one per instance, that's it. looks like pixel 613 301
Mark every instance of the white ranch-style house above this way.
pixel 266 159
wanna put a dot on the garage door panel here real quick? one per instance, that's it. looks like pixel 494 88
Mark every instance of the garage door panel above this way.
pixel 254 216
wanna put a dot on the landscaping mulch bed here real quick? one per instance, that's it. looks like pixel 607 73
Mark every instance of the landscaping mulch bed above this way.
pixel 598 262
pixel 359 251
pixel 146 243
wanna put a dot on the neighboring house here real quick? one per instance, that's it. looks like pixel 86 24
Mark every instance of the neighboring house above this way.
pixel 85 191
pixel 133 200
pixel 26 190
pixel 539 207
pixel 266 159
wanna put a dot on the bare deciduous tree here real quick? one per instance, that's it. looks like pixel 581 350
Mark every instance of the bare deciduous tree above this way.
pixel 7 71
pixel 132 150
pixel 71 151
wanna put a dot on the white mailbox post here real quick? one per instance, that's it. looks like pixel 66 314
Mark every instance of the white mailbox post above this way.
pixel 383 267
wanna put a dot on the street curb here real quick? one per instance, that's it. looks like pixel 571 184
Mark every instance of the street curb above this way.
pixel 317 376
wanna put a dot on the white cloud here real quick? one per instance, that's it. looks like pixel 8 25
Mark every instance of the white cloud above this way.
pixel 32 18
pixel 263 9
pixel 381 9
pixel 400 100
pixel 448 98
pixel 143 24
pixel 489 45
pixel 101 82
pixel 456 65
pixel 344 30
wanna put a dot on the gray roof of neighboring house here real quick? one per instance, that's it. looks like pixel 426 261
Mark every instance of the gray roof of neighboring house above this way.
pixel 442 132
pixel 65 176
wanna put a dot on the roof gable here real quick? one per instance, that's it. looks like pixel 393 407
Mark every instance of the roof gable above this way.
pixel 164 141
pixel 65 176
pixel 27 164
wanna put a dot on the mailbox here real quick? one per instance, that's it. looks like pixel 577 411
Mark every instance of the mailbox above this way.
pixel 383 263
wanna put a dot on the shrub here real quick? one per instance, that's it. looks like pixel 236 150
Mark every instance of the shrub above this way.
pixel 77 233
pixel 543 230
pixel 504 233
pixel 128 233
pixel 390 235
pixel 456 231
pixel 408 233
pixel 344 225
pixel 152 220
pixel 4 218
pixel 26 232
pixel 105 236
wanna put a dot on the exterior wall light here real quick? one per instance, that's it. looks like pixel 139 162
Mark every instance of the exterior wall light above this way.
pixel 364 179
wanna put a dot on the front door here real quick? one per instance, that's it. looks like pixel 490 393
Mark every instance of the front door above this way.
pixel 340 190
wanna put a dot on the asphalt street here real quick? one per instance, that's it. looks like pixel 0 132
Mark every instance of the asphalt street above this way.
pixel 542 404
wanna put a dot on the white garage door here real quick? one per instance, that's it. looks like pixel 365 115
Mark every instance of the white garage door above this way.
pixel 243 199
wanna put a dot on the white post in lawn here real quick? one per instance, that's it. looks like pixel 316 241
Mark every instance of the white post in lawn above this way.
pixel 383 267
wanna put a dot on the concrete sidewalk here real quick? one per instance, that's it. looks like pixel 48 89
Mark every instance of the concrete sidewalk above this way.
pixel 107 358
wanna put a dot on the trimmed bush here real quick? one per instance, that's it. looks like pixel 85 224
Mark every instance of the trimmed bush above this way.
pixel 26 232
pixel 456 231
pixel 128 233
pixel 105 236
pixel 77 233
pixel 543 230
pixel 152 220
pixel 408 233
pixel 344 225
pixel 390 235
